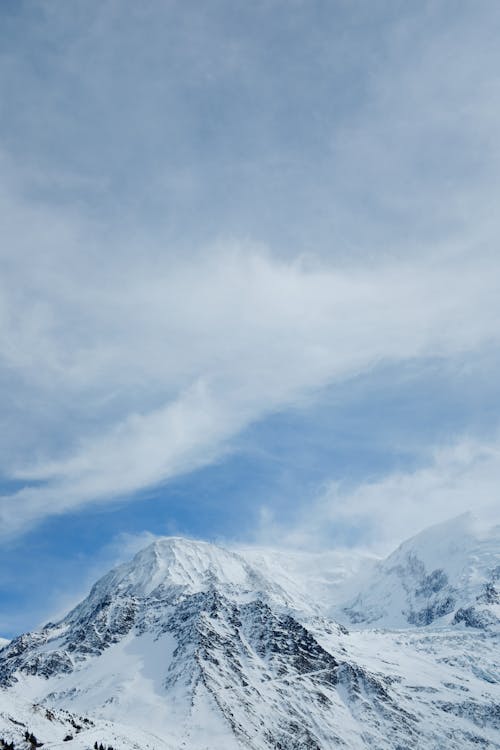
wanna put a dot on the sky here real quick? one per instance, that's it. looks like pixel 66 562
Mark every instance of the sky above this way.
pixel 249 278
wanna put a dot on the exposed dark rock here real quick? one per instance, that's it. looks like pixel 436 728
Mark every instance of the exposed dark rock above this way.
pixel 474 618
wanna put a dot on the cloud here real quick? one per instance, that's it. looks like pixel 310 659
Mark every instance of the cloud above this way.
pixel 460 477
pixel 149 367
pixel 349 129
pixel 185 251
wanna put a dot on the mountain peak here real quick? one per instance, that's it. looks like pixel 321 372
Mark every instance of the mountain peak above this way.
pixel 175 561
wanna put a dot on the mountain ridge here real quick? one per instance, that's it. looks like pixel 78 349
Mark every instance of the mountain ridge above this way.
pixel 190 645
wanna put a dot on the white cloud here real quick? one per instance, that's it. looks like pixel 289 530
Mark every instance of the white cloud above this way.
pixel 460 477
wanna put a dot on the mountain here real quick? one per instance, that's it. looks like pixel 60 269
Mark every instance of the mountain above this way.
pixel 448 574
pixel 190 645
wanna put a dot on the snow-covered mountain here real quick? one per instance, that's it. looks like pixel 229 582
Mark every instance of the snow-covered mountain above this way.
pixel 448 574
pixel 193 646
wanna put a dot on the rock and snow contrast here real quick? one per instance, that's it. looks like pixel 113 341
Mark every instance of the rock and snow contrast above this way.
pixel 191 646
pixel 449 573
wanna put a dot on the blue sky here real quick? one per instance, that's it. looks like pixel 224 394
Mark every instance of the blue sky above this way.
pixel 249 285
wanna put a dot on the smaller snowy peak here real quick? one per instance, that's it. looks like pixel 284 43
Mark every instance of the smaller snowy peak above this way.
pixel 3 642
pixel 449 573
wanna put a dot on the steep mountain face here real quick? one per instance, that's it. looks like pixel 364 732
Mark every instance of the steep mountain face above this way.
pixel 186 629
pixel 193 646
pixel 448 574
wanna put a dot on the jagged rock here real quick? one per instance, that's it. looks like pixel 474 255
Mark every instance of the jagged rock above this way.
pixel 474 618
